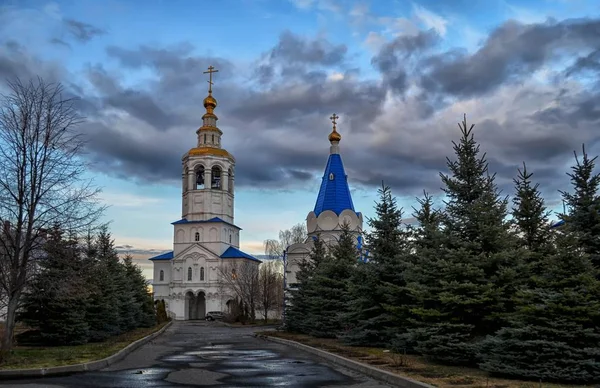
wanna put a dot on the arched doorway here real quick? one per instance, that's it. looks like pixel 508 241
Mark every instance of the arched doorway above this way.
pixel 195 305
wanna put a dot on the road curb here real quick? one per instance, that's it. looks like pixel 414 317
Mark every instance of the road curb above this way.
pixel 85 367
pixel 376 373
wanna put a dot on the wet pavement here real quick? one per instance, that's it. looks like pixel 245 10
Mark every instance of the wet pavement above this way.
pixel 202 354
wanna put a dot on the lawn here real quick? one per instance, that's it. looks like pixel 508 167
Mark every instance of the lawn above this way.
pixel 414 367
pixel 31 357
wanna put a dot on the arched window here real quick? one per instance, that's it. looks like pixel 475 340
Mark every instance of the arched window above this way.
pixel 213 139
pixel 230 180
pixel 233 274
pixel 229 238
pixel 199 177
pixel 189 274
pixel 197 237
pixel 202 273
pixel 204 138
pixel 216 178
pixel 161 277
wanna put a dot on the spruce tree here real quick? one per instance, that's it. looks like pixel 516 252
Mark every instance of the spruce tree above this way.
pixel 475 246
pixel 530 215
pixel 297 309
pixel 103 313
pixel 554 333
pixel 329 288
pixel 583 215
pixel 379 304
pixel 143 307
pixel 57 298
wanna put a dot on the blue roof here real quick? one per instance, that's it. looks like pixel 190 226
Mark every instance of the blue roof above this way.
pixel 234 253
pixel 559 223
pixel 214 219
pixel 334 194
pixel 164 256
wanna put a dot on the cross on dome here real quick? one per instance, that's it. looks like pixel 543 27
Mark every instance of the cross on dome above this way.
pixel 210 71
pixel 334 136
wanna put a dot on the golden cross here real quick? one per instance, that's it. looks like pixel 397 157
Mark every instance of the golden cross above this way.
pixel 334 118
pixel 210 72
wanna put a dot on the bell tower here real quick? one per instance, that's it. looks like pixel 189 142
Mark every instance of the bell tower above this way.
pixel 208 170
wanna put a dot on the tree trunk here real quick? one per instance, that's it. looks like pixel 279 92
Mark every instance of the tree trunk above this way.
pixel 9 326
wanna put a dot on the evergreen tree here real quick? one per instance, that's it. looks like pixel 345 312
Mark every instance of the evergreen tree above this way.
pixel 379 305
pixel 475 246
pixel 103 314
pixel 297 312
pixel 143 308
pixel 329 288
pixel 553 335
pixel 530 215
pixel 57 298
pixel 583 216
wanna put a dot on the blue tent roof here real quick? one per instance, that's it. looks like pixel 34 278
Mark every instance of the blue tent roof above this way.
pixel 234 253
pixel 214 219
pixel 559 223
pixel 164 256
pixel 334 193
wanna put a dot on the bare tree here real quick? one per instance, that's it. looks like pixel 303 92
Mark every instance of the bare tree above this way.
pixel 42 183
pixel 296 234
pixel 270 281
pixel 242 278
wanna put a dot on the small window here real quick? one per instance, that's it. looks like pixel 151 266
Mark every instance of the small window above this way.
pixel 233 274
pixel 161 277
pixel 205 139
pixel 189 274
pixel 213 139
pixel 230 238
pixel 331 176
pixel 202 273
pixel 197 236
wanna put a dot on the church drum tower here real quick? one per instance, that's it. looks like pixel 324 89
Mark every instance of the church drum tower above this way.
pixel 188 278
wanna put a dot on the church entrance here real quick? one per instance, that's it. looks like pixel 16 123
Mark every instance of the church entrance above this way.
pixel 195 305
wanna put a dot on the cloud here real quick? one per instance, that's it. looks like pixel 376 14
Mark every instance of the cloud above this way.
pixel 430 19
pixel 531 90
pixel 83 32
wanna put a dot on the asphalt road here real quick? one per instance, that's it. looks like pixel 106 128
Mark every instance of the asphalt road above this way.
pixel 201 354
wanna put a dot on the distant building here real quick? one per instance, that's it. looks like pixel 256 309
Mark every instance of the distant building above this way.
pixel 188 277
pixel 333 208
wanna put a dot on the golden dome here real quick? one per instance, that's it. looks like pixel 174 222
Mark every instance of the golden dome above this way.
pixel 210 101
pixel 199 151
pixel 334 135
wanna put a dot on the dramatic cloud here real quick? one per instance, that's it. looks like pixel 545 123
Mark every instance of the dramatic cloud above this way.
pixel 531 89
pixel 83 32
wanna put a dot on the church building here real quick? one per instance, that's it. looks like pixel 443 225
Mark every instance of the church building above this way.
pixel 188 278
pixel 333 208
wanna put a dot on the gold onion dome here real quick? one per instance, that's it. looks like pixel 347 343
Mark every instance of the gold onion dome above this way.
pixel 334 135
pixel 210 101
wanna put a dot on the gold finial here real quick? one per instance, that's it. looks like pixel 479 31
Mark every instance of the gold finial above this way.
pixel 334 136
pixel 210 71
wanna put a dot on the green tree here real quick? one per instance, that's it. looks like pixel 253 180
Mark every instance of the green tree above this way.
pixel 379 304
pixel 103 313
pixel 56 299
pixel 475 245
pixel 143 305
pixel 530 215
pixel 297 311
pixel 329 285
pixel 583 215
pixel 554 333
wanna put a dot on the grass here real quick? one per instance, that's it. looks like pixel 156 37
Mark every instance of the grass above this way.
pixel 31 357
pixel 414 367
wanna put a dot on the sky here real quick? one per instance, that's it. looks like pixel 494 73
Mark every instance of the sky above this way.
pixel 400 74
